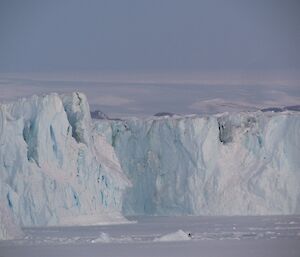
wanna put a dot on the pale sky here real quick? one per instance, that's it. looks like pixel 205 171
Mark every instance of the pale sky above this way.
pixel 56 35
pixel 139 57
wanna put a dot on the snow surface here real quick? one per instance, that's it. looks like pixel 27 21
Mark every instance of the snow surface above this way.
pixel 54 170
pixel 267 236
pixel 227 164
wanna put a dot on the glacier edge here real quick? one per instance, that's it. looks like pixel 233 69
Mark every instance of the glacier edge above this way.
pixel 225 164
pixel 53 170
pixel 60 167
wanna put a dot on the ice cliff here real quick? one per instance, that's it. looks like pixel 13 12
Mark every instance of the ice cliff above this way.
pixel 228 164
pixel 60 167
pixel 53 169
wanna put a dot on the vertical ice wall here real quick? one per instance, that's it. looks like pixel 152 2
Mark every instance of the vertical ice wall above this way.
pixel 57 167
pixel 53 169
pixel 240 164
pixel 9 228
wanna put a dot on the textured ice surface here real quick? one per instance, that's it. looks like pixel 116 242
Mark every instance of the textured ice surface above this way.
pixel 9 228
pixel 58 167
pixel 54 170
pixel 228 164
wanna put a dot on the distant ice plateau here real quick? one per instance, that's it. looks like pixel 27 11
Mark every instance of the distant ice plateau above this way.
pixel 58 166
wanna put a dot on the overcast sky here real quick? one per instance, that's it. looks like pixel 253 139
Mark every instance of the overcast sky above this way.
pixel 247 49
pixel 60 35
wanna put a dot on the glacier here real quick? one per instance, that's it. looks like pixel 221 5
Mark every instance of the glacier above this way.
pixel 54 170
pixel 226 164
pixel 59 167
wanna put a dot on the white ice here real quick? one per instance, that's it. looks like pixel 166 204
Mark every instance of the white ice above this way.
pixel 58 167
pixel 179 235
pixel 54 170
pixel 226 164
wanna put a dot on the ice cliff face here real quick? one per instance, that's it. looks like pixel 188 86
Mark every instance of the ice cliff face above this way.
pixel 9 229
pixel 58 167
pixel 240 164
pixel 53 169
